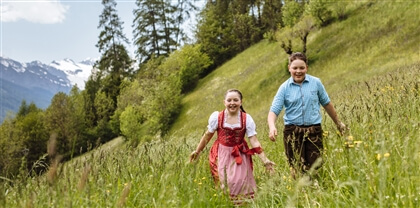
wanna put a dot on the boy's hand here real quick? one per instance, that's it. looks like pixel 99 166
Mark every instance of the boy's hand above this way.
pixel 273 134
pixel 342 128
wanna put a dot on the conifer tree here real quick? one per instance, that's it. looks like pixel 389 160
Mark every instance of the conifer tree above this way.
pixel 25 109
pixel 183 12
pixel 214 32
pixel 115 62
pixel 246 23
pixel 112 27
pixel 114 65
pixel 156 28
pixel 271 15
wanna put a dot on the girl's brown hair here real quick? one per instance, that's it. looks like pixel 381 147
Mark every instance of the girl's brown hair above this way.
pixel 240 96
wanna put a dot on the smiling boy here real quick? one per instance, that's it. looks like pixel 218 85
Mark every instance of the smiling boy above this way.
pixel 301 96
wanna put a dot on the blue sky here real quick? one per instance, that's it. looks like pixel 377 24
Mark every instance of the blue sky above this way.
pixel 47 30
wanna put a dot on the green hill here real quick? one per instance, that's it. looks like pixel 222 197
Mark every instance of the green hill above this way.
pixel 357 49
pixel 369 64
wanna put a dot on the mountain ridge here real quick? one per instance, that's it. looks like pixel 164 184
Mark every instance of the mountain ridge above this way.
pixel 38 82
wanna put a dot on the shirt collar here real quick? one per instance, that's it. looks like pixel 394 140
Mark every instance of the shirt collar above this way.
pixel 293 82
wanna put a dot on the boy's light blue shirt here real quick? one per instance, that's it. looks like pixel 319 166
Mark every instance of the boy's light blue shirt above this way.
pixel 302 102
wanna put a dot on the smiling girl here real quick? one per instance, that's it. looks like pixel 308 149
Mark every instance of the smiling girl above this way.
pixel 230 156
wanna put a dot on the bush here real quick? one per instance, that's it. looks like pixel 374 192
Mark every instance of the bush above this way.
pixel 187 63
pixel 130 122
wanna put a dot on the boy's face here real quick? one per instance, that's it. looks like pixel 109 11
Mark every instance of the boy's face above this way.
pixel 298 69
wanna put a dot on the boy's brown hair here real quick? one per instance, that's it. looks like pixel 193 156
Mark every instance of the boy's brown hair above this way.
pixel 297 55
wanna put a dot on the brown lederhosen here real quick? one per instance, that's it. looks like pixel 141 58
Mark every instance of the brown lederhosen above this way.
pixel 304 142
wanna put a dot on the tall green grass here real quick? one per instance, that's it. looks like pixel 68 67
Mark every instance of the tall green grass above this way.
pixel 373 81
pixel 375 165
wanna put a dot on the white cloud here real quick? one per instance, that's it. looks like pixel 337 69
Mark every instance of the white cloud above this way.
pixel 44 12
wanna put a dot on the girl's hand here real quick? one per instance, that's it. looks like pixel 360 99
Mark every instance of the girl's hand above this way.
pixel 269 166
pixel 194 156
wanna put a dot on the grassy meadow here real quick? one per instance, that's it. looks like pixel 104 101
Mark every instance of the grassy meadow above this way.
pixel 370 66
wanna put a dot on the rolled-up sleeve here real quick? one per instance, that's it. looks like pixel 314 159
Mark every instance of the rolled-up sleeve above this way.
pixel 324 99
pixel 213 121
pixel 278 101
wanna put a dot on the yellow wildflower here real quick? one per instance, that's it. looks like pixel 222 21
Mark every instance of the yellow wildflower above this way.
pixel 350 138
pixel 378 156
pixel 204 178
pixel 386 154
pixel 358 143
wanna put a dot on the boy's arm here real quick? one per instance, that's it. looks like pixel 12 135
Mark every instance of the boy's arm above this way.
pixel 333 114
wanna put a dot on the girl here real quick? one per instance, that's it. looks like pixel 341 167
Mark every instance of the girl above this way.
pixel 230 156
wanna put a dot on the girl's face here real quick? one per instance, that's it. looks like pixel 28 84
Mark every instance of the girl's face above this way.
pixel 298 69
pixel 233 102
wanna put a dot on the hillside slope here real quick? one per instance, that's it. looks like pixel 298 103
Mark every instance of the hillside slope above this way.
pixel 356 49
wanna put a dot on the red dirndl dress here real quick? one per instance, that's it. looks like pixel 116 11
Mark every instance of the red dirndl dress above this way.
pixel 230 159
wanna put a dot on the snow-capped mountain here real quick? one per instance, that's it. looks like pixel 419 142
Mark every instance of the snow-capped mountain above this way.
pixel 38 82
pixel 76 73
pixel 64 74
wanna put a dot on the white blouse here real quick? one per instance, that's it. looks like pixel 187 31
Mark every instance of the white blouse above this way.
pixel 214 120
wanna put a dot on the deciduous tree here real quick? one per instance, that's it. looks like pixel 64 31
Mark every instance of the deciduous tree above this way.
pixel 320 11
pixel 292 11
pixel 303 28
